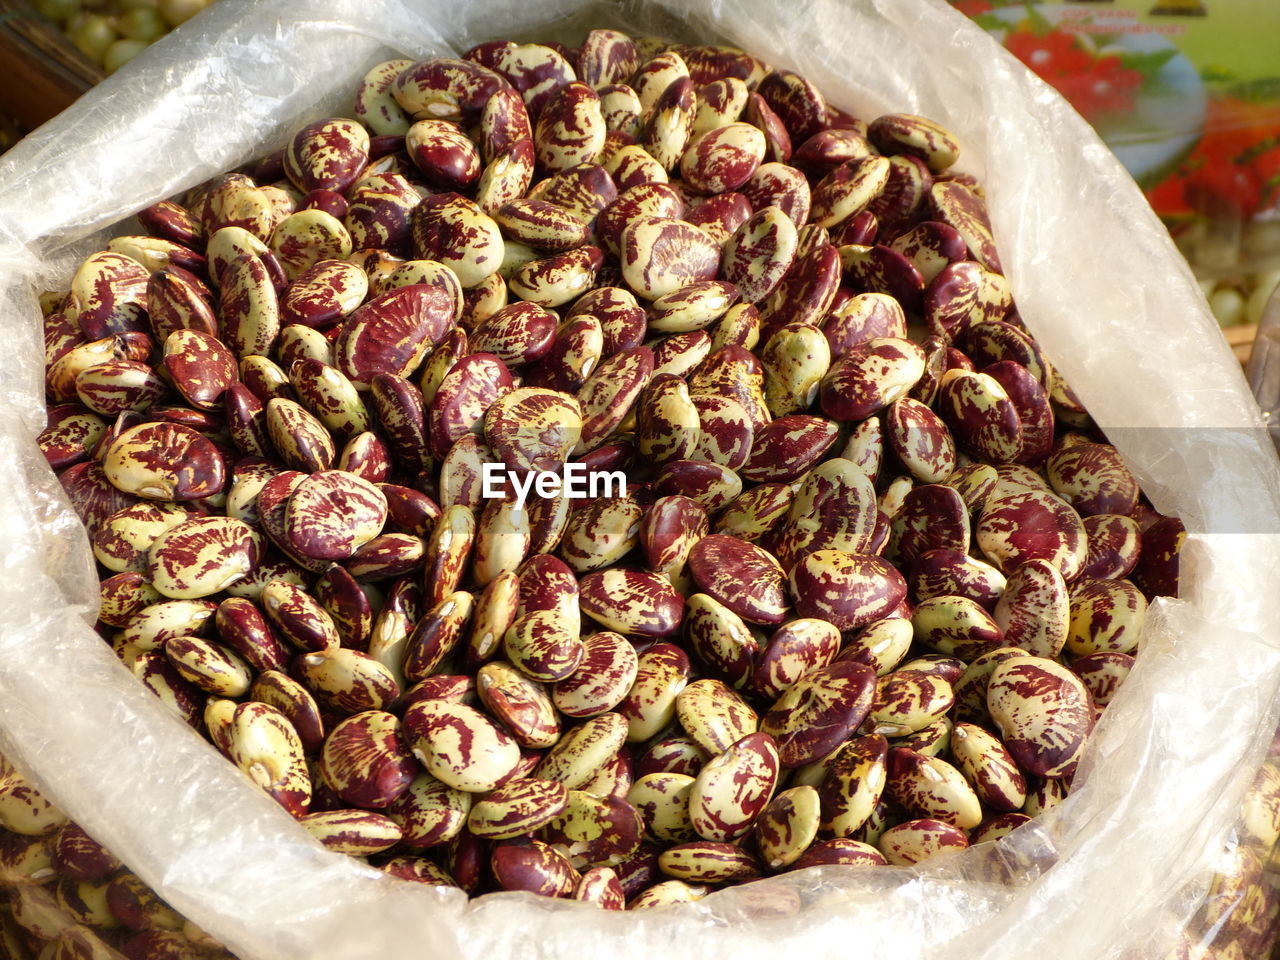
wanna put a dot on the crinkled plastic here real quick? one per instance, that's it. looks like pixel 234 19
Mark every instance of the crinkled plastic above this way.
pixel 1264 365
pixel 1107 874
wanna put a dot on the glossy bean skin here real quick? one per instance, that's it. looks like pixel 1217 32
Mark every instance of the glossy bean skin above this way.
pixel 861 589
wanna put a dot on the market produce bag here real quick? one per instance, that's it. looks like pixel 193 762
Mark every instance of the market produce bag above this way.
pixel 1114 871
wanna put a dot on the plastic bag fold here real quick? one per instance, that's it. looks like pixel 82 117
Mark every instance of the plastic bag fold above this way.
pixel 1097 280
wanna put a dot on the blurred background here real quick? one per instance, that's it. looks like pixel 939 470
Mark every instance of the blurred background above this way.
pixel 51 51
pixel 1187 93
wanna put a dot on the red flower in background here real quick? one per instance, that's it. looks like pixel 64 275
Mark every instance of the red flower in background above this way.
pixel 1094 85
pixel 1234 171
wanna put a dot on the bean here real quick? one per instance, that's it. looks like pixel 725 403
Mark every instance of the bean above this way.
pixel 335 407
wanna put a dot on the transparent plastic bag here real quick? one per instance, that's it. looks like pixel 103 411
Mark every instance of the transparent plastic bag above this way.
pixel 64 895
pixel 1238 913
pixel 1116 870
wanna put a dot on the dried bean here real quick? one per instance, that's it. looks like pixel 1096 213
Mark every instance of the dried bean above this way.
pixel 344 401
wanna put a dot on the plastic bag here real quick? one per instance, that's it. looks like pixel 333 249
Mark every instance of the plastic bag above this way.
pixel 1263 369
pixel 1187 96
pixel 1239 912
pixel 1114 871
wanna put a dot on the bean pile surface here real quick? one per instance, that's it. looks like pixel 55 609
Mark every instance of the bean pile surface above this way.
pixel 873 575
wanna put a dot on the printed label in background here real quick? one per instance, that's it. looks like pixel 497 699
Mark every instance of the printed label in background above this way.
pixel 1187 93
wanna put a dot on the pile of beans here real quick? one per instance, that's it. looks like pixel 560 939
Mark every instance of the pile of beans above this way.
pixel 873 574
pixel 1238 916
pixel 65 897
pixel 113 32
